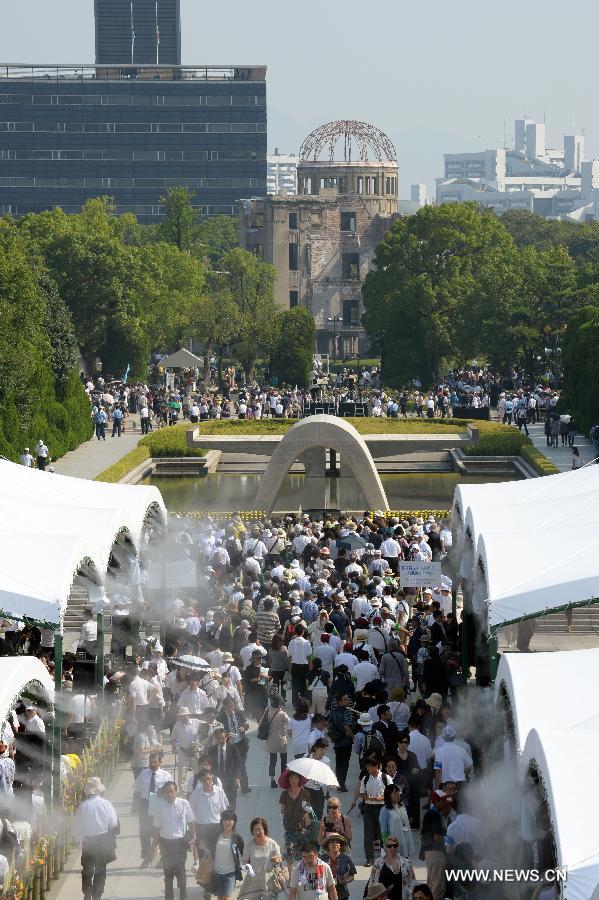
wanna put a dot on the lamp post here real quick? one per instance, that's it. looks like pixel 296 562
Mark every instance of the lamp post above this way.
pixel 334 320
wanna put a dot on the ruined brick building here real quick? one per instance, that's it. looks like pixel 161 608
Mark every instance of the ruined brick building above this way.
pixel 322 240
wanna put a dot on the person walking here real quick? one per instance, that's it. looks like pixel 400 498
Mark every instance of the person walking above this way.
pixel 300 651
pixel 144 418
pixel 577 460
pixel 342 737
pixel 26 459
pixel 96 825
pixel 42 456
pixel 277 739
pixel 174 824
pixel 100 418
pixel 227 857
pixel 226 763
pixel 146 790
pixel 117 421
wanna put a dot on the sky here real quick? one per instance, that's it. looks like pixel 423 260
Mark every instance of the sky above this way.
pixel 437 77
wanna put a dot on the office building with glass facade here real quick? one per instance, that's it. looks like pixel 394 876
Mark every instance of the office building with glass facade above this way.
pixel 69 133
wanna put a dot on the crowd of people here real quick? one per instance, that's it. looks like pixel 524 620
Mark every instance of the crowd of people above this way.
pixel 306 635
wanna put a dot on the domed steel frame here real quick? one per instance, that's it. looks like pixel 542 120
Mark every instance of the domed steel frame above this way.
pixel 367 138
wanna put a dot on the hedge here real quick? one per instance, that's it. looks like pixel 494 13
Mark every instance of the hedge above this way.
pixel 118 470
pixel 62 423
pixel 367 425
pixel 538 460
pixel 170 441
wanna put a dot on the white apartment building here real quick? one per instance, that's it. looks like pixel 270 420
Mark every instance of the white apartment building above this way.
pixel 548 181
pixel 281 173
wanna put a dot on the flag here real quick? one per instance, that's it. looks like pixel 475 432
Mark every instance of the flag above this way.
pixel 126 375
pixel 157 36
pixel 132 40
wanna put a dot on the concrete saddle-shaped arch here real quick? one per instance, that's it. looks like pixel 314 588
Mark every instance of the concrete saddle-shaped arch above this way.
pixel 328 432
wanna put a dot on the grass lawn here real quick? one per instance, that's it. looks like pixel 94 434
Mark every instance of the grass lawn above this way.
pixel 369 425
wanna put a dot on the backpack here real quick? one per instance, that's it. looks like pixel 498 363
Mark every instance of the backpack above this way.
pixel 373 743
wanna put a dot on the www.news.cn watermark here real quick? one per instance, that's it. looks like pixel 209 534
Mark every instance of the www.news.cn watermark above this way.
pixel 489 876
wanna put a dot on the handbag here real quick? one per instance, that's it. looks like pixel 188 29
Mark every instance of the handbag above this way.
pixel 264 727
pixel 204 870
pixel 277 880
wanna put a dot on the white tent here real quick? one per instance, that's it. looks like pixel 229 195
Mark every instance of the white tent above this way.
pixel 37 573
pixel 18 674
pixel 140 501
pixel 566 766
pixel 182 359
pixel 525 494
pixel 539 689
pixel 515 546
pixel 53 528
pixel 531 573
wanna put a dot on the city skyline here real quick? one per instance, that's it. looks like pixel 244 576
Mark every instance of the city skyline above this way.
pixel 433 90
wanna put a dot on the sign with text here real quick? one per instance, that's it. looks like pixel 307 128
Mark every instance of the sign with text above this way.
pixel 416 573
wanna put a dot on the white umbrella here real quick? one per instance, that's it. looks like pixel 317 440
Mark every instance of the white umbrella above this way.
pixel 314 770
pixel 191 662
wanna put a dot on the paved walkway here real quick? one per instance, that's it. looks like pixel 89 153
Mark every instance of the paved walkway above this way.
pixel 92 457
pixel 126 881
pixel 560 456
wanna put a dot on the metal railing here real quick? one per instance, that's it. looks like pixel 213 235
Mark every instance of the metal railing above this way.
pixel 129 72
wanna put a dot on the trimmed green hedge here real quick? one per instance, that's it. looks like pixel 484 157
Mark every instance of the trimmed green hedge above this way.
pixel 118 470
pixel 170 442
pixel 538 460
pixel 493 443
pixel 61 422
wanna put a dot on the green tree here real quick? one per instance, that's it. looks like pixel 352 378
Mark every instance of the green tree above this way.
pixel 292 358
pixel 435 274
pixel 580 360
pixel 214 237
pixel 251 282
pixel 179 217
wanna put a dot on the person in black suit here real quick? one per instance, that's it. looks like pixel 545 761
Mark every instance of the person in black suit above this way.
pixel 236 724
pixel 226 764
pixel 387 729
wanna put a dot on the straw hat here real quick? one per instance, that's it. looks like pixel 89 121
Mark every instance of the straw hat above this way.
pixel 435 701
pixel 183 711
pixel 376 890
pixel 333 836
pixel 93 786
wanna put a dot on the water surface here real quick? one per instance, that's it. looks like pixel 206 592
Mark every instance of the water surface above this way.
pixel 229 492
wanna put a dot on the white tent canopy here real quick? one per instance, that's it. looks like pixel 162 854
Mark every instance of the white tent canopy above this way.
pixel 566 765
pixel 19 674
pixel 540 694
pixel 520 554
pixel 37 573
pixel 53 528
pixel 182 359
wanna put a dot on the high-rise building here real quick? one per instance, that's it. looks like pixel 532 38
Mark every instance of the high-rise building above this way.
pixel 419 194
pixel 281 173
pixel 138 31
pixel 132 131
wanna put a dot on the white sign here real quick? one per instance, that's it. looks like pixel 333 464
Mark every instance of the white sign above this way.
pixel 180 574
pixel 416 573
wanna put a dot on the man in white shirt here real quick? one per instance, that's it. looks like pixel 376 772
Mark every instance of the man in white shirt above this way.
pixel 300 651
pixel 452 761
pixel 41 455
pixel 33 722
pixel 325 653
pixel 248 651
pixel 26 459
pixel 193 697
pixel 138 698
pixel 184 733
pixel 95 821
pixel 146 787
pixel 391 551
pixel 173 820
pixel 346 659
pixel 88 636
pixel 208 802
pixel 419 745
pixel 364 672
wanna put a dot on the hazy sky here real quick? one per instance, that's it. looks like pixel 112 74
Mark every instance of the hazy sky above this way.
pixel 435 76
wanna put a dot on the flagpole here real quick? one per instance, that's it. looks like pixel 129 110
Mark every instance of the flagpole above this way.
pixel 157 35
pixel 132 33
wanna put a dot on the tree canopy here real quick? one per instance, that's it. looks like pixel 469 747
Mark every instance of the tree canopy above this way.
pixel 454 283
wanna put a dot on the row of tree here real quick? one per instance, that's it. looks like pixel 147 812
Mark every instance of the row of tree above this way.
pixel 455 282
pixel 113 290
